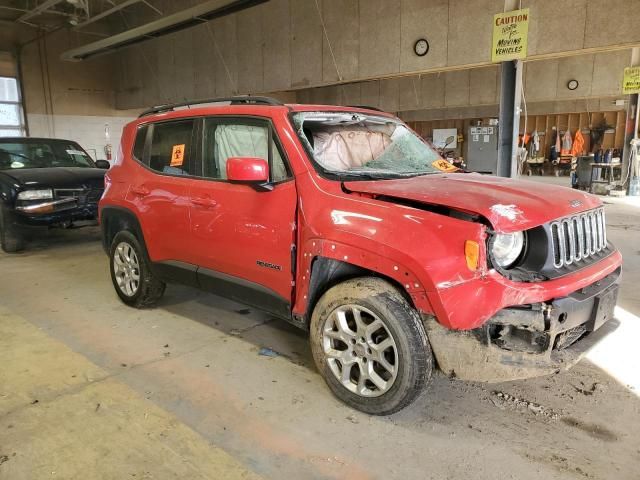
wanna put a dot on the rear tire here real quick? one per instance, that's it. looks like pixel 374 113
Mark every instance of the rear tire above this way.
pixel 131 273
pixel 10 240
pixel 370 346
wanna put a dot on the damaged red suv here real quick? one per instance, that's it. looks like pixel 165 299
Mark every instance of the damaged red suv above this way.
pixel 345 223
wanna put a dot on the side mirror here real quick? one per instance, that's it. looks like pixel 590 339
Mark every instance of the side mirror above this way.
pixel 247 170
pixel 103 164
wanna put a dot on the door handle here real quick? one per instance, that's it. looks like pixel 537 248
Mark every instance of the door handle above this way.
pixel 204 202
pixel 140 191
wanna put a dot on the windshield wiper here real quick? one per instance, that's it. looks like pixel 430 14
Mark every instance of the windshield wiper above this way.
pixel 385 173
pixel 366 174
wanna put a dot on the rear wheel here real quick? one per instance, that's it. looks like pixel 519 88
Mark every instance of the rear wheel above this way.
pixel 131 273
pixel 370 346
pixel 10 240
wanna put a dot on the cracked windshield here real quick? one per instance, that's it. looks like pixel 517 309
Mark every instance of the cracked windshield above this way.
pixel 357 145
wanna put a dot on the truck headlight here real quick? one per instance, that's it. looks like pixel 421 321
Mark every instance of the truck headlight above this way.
pixel 36 194
pixel 506 248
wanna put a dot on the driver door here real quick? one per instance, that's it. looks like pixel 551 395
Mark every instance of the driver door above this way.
pixel 242 238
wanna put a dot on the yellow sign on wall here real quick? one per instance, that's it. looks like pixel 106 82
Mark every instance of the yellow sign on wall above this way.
pixel 510 32
pixel 631 80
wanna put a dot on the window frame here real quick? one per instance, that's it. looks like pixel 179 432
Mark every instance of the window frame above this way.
pixel 146 142
pixel 198 135
pixel 146 155
pixel 21 128
pixel 254 120
pixel 335 177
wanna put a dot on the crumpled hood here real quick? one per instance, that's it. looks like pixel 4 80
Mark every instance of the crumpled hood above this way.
pixel 510 205
pixel 59 177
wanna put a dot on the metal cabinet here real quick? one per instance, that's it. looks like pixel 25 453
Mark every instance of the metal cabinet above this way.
pixel 482 149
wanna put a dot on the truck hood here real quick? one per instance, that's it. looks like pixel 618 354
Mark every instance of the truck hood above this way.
pixel 510 205
pixel 59 177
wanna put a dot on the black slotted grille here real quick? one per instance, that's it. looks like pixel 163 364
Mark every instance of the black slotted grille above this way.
pixel 578 237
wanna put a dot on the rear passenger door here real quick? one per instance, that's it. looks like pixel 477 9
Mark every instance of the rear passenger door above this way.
pixel 243 238
pixel 159 192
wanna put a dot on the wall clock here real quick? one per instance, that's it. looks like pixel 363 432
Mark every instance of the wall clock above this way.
pixel 421 47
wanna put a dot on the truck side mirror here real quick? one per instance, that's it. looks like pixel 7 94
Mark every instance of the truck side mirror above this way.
pixel 249 170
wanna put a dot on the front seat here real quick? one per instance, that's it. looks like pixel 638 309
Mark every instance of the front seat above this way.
pixel 46 160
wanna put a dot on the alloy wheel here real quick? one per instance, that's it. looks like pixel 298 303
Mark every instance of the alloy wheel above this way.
pixel 360 350
pixel 126 268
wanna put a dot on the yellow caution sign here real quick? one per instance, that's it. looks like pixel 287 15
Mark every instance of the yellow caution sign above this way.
pixel 177 155
pixel 444 166
pixel 631 80
pixel 510 33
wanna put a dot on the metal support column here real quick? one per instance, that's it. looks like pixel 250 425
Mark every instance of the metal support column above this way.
pixel 631 126
pixel 509 118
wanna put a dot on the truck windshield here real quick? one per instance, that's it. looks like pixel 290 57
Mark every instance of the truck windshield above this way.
pixel 37 153
pixel 349 144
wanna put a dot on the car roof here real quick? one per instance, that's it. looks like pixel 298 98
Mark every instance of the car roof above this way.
pixel 33 139
pixel 184 111
pixel 300 107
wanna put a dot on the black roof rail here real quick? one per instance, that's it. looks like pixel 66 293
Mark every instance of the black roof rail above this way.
pixel 365 107
pixel 241 100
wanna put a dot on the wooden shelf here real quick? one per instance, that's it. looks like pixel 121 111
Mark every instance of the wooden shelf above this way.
pixel 544 124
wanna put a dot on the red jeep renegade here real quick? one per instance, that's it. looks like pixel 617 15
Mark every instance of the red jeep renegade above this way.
pixel 344 222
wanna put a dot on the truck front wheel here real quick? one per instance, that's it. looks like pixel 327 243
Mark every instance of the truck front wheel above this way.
pixel 10 240
pixel 370 346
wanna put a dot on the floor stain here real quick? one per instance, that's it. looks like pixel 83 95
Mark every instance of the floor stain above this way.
pixel 592 429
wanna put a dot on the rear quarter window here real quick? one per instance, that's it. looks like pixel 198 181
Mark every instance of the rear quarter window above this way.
pixel 171 149
pixel 138 145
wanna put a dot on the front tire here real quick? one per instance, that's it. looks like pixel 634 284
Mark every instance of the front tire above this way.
pixel 10 240
pixel 370 346
pixel 131 274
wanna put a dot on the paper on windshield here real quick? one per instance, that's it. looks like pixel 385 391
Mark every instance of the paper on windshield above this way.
pixel 76 152
pixel 444 166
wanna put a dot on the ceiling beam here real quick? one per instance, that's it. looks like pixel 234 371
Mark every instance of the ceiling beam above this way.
pixel 14 9
pixel 44 6
pixel 106 13
pixel 188 18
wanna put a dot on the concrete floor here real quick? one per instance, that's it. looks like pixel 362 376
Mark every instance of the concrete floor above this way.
pixel 92 389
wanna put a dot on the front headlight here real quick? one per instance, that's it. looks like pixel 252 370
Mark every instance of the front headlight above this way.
pixel 36 195
pixel 506 248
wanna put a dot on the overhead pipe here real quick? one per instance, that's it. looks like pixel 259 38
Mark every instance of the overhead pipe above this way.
pixel 172 23
pixel 106 13
pixel 42 8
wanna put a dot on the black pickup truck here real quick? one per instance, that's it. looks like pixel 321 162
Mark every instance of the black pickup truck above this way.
pixel 46 183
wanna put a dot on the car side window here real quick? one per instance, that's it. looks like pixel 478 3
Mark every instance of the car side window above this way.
pixel 171 147
pixel 228 138
pixel 278 167
pixel 138 146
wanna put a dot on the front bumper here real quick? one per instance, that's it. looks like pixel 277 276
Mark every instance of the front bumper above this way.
pixel 529 340
pixel 491 292
pixel 25 222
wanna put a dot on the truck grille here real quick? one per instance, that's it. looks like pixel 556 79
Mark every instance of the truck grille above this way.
pixel 578 238
pixel 82 196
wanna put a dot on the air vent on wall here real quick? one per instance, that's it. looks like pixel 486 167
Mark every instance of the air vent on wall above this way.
pixel 172 23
